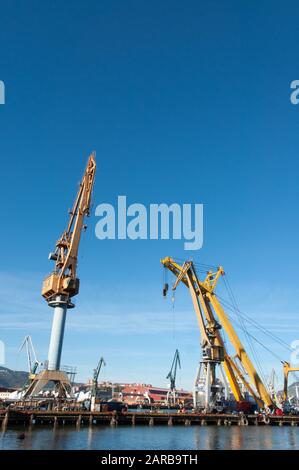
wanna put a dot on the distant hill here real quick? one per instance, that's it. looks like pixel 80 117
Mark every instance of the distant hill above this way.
pixel 12 378
pixel 16 378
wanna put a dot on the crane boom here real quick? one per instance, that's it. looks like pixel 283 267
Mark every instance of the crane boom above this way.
pixel 64 281
pixel 206 304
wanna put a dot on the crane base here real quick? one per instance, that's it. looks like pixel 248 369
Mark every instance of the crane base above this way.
pixel 60 379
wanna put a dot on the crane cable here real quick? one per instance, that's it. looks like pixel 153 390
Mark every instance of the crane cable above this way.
pixel 233 308
pixel 165 289
pixel 236 322
pixel 238 314
pixel 255 324
pixel 243 327
pixel 173 315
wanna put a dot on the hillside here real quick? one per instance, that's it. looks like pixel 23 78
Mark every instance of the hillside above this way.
pixel 12 379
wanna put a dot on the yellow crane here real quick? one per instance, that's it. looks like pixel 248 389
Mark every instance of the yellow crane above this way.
pixel 211 319
pixel 286 370
pixel 63 281
pixel 62 284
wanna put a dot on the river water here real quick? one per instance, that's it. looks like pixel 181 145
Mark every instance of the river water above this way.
pixel 152 438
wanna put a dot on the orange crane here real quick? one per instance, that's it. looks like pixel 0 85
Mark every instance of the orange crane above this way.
pixel 63 281
pixel 211 319
pixel 62 284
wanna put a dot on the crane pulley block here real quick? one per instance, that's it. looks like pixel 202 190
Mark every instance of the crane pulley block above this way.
pixel 214 353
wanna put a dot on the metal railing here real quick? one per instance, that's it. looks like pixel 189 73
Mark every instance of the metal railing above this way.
pixel 69 370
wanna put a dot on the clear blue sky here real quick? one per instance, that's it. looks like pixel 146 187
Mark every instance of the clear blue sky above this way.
pixel 184 102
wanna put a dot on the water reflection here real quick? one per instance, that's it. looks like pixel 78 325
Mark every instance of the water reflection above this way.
pixel 156 437
pixel 89 437
pixel 293 437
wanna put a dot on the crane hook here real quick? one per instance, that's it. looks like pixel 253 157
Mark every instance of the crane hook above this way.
pixel 165 289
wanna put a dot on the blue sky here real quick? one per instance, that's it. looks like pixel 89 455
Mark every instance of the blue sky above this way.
pixel 184 102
